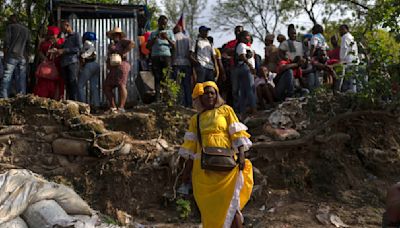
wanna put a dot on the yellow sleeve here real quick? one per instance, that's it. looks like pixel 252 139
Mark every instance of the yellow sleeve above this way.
pixel 189 146
pixel 237 131
pixel 218 53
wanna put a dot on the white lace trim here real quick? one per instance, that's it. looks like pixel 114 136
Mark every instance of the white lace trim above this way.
pixel 190 136
pixel 236 127
pixel 188 154
pixel 235 202
pixel 242 141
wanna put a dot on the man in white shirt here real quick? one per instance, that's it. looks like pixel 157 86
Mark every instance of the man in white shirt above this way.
pixel 349 58
pixel 181 64
pixel 292 47
pixel 202 55
pixel 246 71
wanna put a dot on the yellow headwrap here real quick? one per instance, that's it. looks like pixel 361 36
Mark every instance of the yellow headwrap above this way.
pixel 199 88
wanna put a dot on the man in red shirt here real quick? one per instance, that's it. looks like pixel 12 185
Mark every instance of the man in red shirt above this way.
pixel 287 72
pixel 335 52
pixel 229 53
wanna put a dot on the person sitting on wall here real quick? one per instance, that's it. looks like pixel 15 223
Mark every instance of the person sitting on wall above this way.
pixel 264 89
pixel 287 71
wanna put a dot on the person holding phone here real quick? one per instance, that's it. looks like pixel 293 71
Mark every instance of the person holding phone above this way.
pixel 161 43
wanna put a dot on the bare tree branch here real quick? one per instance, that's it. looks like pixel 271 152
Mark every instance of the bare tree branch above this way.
pixel 354 2
pixel 259 15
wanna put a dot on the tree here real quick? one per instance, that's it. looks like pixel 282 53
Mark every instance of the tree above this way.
pixel 190 8
pixel 262 16
pixel 30 13
pixel 386 13
pixel 323 11
pixel 152 8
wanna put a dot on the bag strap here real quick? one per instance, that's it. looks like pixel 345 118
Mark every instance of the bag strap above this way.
pixel 196 47
pixel 198 131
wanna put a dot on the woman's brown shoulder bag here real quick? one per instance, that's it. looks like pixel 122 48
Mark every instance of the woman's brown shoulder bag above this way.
pixel 215 158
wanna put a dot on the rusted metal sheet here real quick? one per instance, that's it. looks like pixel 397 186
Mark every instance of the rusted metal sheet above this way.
pixel 100 27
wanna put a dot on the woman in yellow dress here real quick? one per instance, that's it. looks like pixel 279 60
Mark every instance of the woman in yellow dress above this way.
pixel 220 195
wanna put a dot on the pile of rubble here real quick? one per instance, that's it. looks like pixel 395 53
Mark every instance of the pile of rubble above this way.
pixel 306 151
pixel 65 143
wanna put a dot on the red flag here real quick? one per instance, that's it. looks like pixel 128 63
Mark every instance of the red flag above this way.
pixel 181 22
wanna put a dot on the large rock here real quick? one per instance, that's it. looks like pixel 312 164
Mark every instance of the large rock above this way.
pixel 281 133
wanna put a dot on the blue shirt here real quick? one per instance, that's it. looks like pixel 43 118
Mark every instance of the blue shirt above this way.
pixel 161 47
pixel 72 47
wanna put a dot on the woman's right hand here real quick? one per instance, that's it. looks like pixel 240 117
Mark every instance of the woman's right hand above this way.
pixel 253 70
pixel 187 172
pixel 241 158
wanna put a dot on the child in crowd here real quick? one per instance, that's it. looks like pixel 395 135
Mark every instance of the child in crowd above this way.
pixel 264 88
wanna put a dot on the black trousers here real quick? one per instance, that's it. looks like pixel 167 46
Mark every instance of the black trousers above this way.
pixel 158 64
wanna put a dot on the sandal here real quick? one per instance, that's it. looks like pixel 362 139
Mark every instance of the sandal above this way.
pixel 112 111
pixel 121 110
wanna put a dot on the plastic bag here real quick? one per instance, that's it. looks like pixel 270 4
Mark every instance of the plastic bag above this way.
pixel 47 69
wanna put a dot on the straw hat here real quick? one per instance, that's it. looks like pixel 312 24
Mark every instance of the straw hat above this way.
pixel 115 30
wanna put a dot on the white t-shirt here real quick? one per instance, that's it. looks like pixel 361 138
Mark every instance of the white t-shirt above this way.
pixel 205 52
pixel 182 47
pixel 244 49
pixel 349 50
pixel 318 41
pixel 297 45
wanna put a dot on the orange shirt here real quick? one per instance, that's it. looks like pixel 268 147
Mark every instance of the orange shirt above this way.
pixel 143 48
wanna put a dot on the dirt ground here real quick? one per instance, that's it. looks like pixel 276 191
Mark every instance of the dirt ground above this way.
pixel 340 164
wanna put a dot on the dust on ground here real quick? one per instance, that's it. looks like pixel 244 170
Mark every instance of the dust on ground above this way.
pixel 343 158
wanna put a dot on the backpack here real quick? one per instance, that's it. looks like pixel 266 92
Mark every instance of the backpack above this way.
pixel 235 55
pixel 196 48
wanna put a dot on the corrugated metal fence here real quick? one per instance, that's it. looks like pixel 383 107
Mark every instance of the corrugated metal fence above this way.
pixel 100 27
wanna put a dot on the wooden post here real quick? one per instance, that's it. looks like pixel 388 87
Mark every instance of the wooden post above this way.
pixel 58 16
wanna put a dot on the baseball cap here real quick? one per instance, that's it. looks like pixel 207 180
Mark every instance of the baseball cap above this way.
pixel 89 36
pixel 201 28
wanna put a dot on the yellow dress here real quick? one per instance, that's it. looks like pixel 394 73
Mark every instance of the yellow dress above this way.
pixel 218 194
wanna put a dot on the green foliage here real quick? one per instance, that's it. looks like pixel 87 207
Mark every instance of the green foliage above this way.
pixel 183 208
pixel 386 13
pixel 30 13
pixel 153 9
pixel 171 88
pixel 102 1
pixel 109 220
pixel 382 48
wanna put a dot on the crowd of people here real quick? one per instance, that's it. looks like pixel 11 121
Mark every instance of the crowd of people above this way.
pixel 67 61
pixel 211 79
pixel 247 81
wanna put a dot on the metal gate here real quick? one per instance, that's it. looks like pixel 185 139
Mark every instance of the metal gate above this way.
pixel 100 27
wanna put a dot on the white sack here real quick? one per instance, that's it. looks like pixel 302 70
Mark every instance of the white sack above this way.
pixel 15 223
pixel 47 213
pixel 20 188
